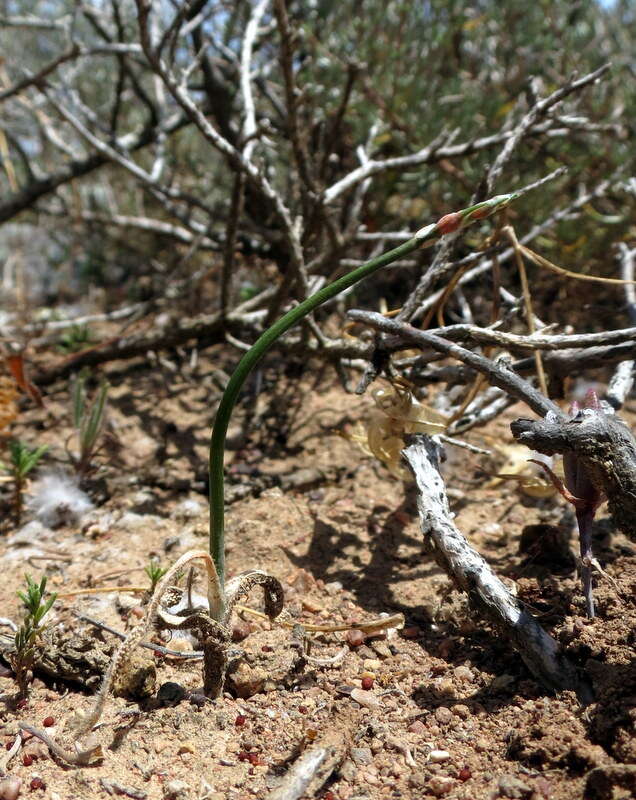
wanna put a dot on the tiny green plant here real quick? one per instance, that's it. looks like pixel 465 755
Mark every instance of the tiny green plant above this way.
pixel 447 224
pixel 23 460
pixel 76 338
pixel 88 420
pixel 28 636
pixel 155 573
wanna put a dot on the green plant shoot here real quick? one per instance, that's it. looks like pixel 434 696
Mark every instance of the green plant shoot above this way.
pixel 447 224
pixel 27 637
pixel 76 338
pixel 23 460
pixel 88 419
pixel 155 573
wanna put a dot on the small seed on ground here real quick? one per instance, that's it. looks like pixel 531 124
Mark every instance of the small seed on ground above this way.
pixel 437 756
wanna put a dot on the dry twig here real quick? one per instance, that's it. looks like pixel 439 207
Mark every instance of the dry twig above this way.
pixel 469 572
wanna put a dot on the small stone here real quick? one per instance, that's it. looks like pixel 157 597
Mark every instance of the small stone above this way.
pixel 491 528
pixel 438 756
pixel 361 755
pixel 348 770
pixel 464 674
pixel 355 637
pixel 187 509
pixel 176 790
pixel 461 711
pixel 417 727
pixel 481 745
pixel 247 681
pixel 241 630
pixel 411 632
pixel 443 715
pixel 333 587
pixel 186 747
pixel 512 787
pixel 381 649
pixel 372 664
pixel 439 785
pixel 198 700
pixel 10 788
pixel 502 682
pixel 170 542
pixel 170 693
pixel 366 699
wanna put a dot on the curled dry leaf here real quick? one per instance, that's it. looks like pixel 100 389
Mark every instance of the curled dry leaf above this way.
pixel 530 478
pixel 397 413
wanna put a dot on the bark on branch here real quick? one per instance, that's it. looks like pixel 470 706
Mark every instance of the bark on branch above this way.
pixel 605 447
pixel 468 570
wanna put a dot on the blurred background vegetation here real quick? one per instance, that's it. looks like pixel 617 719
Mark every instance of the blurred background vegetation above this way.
pixel 406 71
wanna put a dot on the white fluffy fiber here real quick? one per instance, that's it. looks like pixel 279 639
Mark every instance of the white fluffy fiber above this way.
pixel 56 499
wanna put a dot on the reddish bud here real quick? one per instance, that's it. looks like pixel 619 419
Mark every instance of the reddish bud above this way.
pixel 240 720
pixel 591 400
pixel 48 722
pixel 367 683
pixel 37 783
pixel 449 223
pixel 27 759
pixel 464 774
pixel 480 213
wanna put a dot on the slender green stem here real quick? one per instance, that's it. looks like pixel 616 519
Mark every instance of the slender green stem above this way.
pixel 447 224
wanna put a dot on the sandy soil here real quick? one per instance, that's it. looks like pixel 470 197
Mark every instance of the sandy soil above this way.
pixel 451 711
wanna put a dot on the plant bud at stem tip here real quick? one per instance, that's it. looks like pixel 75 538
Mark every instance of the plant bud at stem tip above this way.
pixel 449 223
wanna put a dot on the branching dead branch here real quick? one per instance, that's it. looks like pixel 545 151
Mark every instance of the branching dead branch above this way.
pixel 467 569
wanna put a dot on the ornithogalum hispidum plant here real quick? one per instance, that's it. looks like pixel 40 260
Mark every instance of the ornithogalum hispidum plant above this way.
pixel 447 224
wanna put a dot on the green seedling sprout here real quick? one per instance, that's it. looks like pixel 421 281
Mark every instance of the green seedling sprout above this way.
pixel 23 460
pixel 447 224
pixel 28 635
pixel 155 573
pixel 88 419
pixel 76 338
